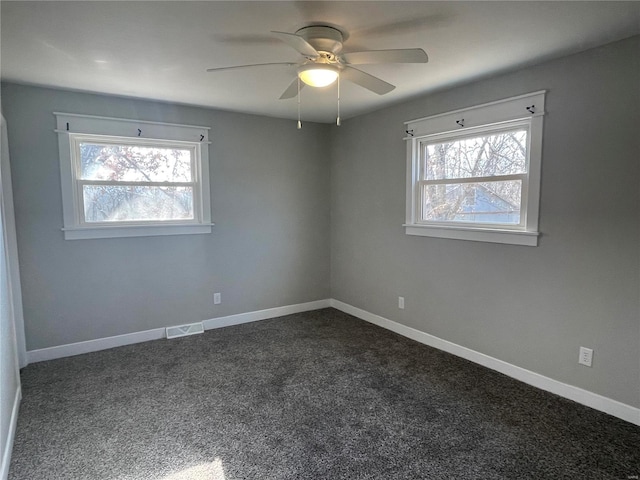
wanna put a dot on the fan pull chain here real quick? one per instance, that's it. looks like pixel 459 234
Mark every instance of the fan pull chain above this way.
pixel 338 119
pixel 299 122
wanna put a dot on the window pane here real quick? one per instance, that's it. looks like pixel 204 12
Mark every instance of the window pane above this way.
pixel 109 203
pixel 502 153
pixel 133 163
pixel 489 202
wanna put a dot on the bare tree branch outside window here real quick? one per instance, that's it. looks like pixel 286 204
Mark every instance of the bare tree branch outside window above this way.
pixel 449 168
pixel 115 179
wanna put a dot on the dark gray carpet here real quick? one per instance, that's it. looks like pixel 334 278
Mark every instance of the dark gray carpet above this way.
pixel 318 395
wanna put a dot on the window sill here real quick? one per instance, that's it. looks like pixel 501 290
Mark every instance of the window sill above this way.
pixel 83 233
pixel 512 237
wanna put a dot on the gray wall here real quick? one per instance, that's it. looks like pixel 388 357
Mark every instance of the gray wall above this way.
pixel 269 247
pixel 529 306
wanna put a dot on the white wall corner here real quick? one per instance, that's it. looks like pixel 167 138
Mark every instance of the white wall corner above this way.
pixel 590 399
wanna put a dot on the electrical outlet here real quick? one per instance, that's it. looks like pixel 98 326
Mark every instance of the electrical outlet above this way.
pixel 217 300
pixel 586 356
pixel 401 303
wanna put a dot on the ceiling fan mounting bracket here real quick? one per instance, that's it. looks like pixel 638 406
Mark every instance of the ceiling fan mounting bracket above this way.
pixel 326 57
pixel 324 39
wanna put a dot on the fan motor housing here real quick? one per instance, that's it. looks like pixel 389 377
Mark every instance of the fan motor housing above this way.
pixel 323 38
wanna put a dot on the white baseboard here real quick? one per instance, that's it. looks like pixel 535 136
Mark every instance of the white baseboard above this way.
pixel 78 348
pixel 71 349
pixel 584 397
pixel 264 314
pixel 8 446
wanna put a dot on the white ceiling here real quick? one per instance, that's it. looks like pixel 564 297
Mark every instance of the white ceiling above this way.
pixel 160 49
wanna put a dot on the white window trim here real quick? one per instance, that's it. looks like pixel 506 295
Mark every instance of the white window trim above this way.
pixel 74 127
pixel 524 110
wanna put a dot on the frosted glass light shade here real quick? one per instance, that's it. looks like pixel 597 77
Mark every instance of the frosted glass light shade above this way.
pixel 316 75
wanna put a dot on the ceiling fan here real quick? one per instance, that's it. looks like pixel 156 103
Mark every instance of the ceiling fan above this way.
pixel 324 61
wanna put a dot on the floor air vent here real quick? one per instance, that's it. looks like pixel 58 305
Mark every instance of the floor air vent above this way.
pixel 184 330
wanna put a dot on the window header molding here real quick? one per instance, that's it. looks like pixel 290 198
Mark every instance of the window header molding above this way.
pixel 507 110
pixel 120 127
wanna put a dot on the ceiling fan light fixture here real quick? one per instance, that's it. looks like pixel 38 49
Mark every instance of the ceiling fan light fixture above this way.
pixel 318 75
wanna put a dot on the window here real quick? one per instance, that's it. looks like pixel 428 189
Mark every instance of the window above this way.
pixel 481 180
pixel 131 178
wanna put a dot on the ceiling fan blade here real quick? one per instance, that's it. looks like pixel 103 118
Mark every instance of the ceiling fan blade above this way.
pixel 365 80
pixel 297 42
pixel 292 90
pixel 405 55
pixel 289 64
